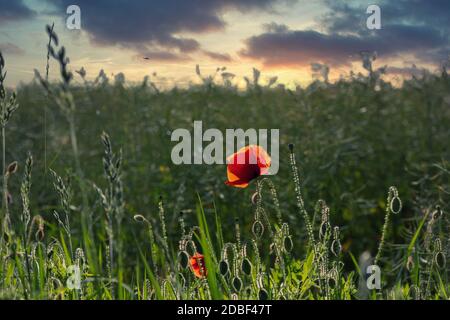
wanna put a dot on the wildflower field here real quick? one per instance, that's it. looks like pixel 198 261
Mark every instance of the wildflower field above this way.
pixel 94 208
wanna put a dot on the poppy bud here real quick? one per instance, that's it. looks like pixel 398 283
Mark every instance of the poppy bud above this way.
pixel 336 247
pixel 437 213
pixel 237 284
pixel 255 198
pixel 288 245
pixel 12 168
pixel 332 282
pixel 139 218
pixel 183 259
pixel 223 267
pixel 263 295
pixel 258 229
pixel 439 259
pixel 246 266
pixel 395 205
pixel 291 147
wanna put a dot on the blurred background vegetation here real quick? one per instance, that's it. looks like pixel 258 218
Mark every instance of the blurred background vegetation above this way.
pixel 353 139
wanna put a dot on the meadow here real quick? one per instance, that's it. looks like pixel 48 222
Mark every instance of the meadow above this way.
pixel 89 184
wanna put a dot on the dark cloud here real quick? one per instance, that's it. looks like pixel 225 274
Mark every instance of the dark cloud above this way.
pixel 290 47
pixel 349 16
pixel 417 27
pixel 221 57
pixel 11 10
pixel 12 49
pixel 144 24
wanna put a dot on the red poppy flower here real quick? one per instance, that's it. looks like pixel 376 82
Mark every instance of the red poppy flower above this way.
pixel 197 263
pixel 247 164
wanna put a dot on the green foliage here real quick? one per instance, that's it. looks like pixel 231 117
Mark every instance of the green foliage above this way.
pixel 131 221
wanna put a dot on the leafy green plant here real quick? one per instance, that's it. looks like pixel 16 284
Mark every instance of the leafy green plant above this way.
pixel 139 227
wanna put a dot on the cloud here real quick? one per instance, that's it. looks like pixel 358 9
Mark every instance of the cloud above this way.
pixel 299 48
pixel 14 10
pixel 161 56
pixel 406 71
pixel 350 16
pixel 417 28
pixel 221 57
pixel 12 49
pixel 144 25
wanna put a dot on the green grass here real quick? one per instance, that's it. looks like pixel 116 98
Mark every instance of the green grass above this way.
pixel 111 203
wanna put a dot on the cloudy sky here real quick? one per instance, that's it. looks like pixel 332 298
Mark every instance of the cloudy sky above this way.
pixel 280 37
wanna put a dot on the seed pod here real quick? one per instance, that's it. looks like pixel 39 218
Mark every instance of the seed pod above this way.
pixel 263 295
pixel 323 230
pixel 224 267
pixel 191 247
pixel 288 244
pixel 237 284
pixel 139 218
pixel 396 205
pixel 255 198
pixel 439 259
pixel 12 168
pixel 410 263
pixel 414 291
pixel 246 266
pixel 258 229
pixel 336 247
pixel 182 279
pixel 332 282
pixel 437 213
pixel 183 259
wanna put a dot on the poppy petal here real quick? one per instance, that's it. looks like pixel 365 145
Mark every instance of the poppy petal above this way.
pixel 237 184
pixel 247 164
